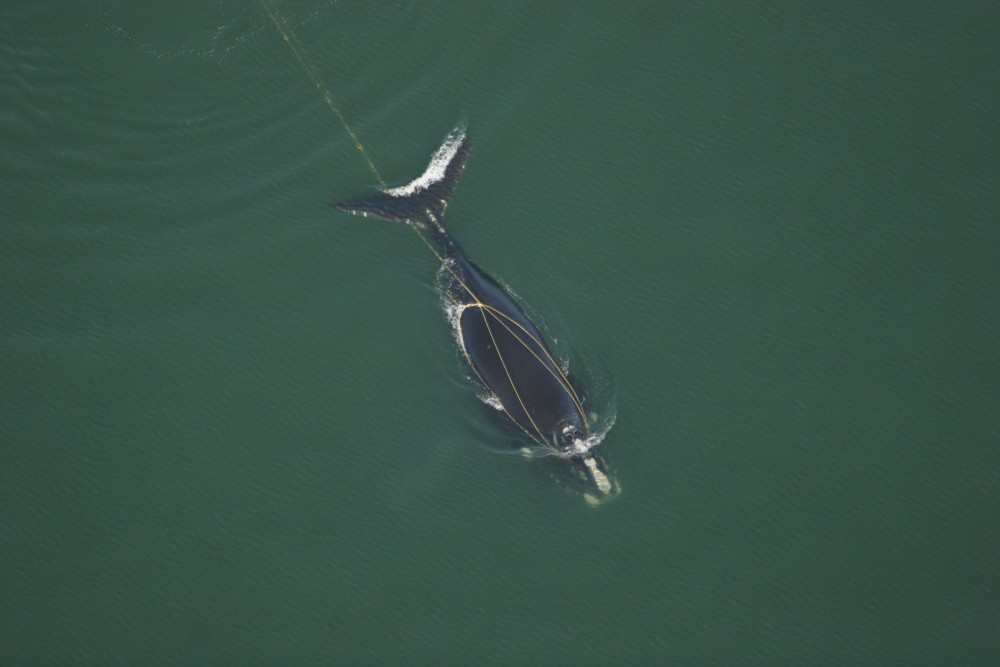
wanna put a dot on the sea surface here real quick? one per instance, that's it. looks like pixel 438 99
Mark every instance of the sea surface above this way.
pixel 234 426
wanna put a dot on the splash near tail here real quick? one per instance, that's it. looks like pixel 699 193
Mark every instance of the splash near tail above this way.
pixel 424 199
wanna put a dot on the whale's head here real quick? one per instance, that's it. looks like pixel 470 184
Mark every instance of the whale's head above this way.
pixel 570 438
pixel 586 474
pixel 579 464
pixel 592 478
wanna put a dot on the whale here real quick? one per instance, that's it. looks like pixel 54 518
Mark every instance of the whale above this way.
pixel 507 353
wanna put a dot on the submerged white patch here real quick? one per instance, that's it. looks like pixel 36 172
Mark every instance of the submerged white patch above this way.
pixel 535 452
pixel 435 170
pixel 602 481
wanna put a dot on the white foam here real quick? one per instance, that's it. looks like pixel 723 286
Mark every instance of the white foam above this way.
pixel 435 170
pixel 583 446
pixel 490 399
pixel 453 313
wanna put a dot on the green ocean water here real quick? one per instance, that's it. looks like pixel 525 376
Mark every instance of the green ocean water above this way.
pixel 234 428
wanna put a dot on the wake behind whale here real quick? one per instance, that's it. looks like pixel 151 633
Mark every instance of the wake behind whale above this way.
pixel 510 359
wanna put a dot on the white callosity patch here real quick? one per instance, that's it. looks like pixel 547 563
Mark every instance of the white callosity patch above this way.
pixel 435 170
pixel 602 481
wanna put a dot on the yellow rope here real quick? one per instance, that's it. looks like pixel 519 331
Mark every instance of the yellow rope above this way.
pixel 293 44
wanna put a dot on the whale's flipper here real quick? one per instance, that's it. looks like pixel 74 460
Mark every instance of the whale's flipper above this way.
pixel 424 199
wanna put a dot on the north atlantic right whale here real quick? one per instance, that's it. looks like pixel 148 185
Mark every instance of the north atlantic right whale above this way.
pixel 505 350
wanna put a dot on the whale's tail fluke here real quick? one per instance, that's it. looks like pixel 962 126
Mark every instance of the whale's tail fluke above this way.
pixel 424 199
